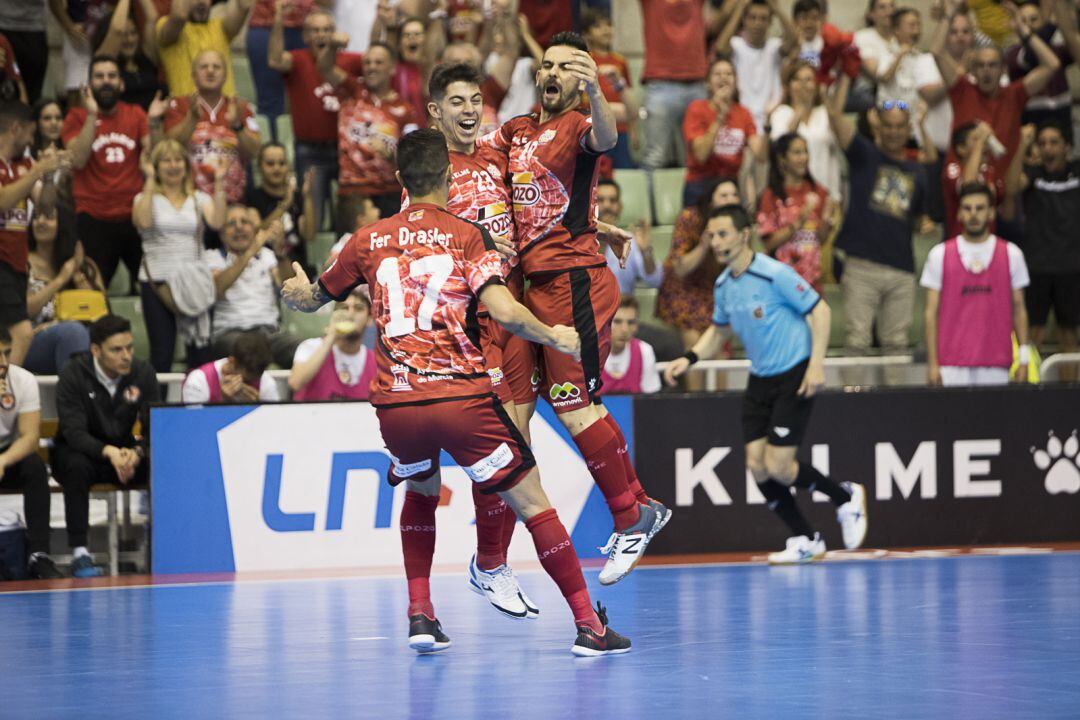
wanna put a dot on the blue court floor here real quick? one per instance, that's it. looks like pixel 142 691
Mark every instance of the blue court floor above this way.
pixel 972 637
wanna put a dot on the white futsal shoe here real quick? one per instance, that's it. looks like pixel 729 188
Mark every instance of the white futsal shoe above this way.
pixel 624 549
pixel 799 551
pixel 852 516
pixel 501 588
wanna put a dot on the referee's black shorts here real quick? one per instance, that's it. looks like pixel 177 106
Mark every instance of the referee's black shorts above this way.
pixel 773 409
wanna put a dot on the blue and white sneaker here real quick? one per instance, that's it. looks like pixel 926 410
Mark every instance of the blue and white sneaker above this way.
pixel 852 516
pixel 625 549
pixel 501 588
pixel 799 551
pixel 83 567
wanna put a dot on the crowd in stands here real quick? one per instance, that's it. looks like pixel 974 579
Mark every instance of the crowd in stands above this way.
pixel 150 154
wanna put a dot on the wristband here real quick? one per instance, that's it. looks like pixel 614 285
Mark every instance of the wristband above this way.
pixel 1023 355
pixel 691 356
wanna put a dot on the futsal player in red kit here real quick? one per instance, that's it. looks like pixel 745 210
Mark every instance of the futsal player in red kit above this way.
pixel 427 270
pixel 553 160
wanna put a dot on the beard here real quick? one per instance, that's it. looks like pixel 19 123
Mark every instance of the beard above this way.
pixel 107 97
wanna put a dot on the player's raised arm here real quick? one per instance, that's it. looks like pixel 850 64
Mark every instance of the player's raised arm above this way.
pixel 517 318
pixel 604 133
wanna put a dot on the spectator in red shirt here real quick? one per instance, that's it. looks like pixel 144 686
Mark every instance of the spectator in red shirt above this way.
pixel 214 127
pixel 675 67
pixel 269 89
pixel 795 213
pixel 615 82
pixel 18 175
pixel 717 131
pixel 11 83
pixel 971 163
pixel 312 101
pixel 416 52
pixel 373 117
pixel 107 138
pixel 981 95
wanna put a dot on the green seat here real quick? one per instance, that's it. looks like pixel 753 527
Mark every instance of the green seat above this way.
pixel 634 193
pixel 667 191
pixel 835 298
pixel 131 308
pixel 286 138
pixel 121 282
pixel 243 80
pixel 264 128
pixel 661 241
pixel 319 249
pixel 646 298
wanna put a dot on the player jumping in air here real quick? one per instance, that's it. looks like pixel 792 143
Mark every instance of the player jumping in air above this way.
pixel 553 164
pixel 426 270
pixel 784 326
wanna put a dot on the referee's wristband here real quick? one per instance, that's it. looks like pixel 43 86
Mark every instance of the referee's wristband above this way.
pixel 691 356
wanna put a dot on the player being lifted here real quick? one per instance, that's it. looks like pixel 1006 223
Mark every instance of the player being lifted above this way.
pixel 553 163
pixel 426 269
pixel 784 326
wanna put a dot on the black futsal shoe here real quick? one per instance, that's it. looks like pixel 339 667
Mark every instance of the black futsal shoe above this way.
pixel 426 635
pixel 589 644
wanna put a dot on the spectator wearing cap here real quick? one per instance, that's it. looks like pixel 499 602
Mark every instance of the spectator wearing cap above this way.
pixel 239 378
pixel 100 397
pixel 336 366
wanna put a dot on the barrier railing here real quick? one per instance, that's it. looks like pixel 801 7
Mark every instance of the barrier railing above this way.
pixel 714 367
pixel 1051 366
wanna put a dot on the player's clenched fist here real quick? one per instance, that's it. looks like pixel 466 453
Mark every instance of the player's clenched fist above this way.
pixel 567 340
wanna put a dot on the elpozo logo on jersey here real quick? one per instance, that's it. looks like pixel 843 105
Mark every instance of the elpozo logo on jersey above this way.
pixel 495 219
pixel 565 394
pixel 526 191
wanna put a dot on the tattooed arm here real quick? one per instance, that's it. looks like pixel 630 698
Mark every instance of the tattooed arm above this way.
pixel 301 294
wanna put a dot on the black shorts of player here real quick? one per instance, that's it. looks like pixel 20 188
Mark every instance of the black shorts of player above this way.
pixel 1060 292
pixel 12 296
pixel 773 409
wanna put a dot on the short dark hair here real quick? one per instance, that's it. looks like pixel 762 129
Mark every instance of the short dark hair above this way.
pixel 960 134
pixel 106 326
pixel 446 75
pixel 609 182
pixel 976 188
pixel 422 160
pixel 592 17
pixel 900 12
pixel 1053 123
pixel 704 203
pixel 14 111
pixel 385 46
pixel 251 352
pixel 271 144
pixel 804 6
pixel 737 213
pixel 569 39
pixel 5 335
pixel 101 58
pixel 629 301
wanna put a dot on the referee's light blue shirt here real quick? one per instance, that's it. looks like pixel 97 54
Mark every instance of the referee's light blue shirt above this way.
pixel 766 307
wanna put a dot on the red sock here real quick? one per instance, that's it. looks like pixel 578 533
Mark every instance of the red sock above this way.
pixel 509 523
pixel 557 555
pixel 600 448
pixel 418 546
pixel 491 514
pixel 624 452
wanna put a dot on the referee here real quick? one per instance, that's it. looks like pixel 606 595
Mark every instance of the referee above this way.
pixel 784 326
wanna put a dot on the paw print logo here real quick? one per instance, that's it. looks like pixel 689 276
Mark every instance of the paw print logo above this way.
pixel 1061 463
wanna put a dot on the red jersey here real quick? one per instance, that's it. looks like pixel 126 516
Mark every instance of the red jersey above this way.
pixel 1002 111
pixel 408 82
pixel 425 269
pixel 8 67
pixel 262 13
pixel 15 221
pixel 364 121
pixel 951 182
pixel 553 174
pixel 547 17
pixel 107 184
pixel 726 157
pixel 313 103
pixel 674 40
pixel 213 141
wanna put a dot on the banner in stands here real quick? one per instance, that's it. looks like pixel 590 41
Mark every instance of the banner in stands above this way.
pixel 291 486
pixel 941 467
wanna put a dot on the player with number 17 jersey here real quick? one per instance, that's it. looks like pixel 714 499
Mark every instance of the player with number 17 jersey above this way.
pixel 425 268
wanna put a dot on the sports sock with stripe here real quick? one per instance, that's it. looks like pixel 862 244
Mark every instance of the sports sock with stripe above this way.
pixel 418 546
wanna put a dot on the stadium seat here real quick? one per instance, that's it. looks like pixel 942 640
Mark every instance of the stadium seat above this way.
pixel 131 308
pixel 121 282
pixel 320 248
pixel 634 192
pixel 264 128
pixel 667 190
pixel 835 298
pixel 285 137
pixel 242 79
pixel 661 240
pixel 646 298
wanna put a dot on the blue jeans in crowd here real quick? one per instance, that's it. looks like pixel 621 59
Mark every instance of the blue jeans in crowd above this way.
pixel 51 348
pixel 269 85
pixel 665 106
pixel 324 158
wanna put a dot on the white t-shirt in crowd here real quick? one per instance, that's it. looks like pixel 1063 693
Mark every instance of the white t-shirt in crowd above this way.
pixel 251 301
pixel 356 19
pixel 758 71
pixel 176 236
pixel 617 365
pixel 351 365
pixel 19 394
pixel 874 47
pixel 939 116
pixel 810 51
pixel 974 256
pixel 825 155
pixel 196 388
pixel 904 85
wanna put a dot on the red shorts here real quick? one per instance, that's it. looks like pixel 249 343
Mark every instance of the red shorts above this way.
pixel 585 299
pixel 475 431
